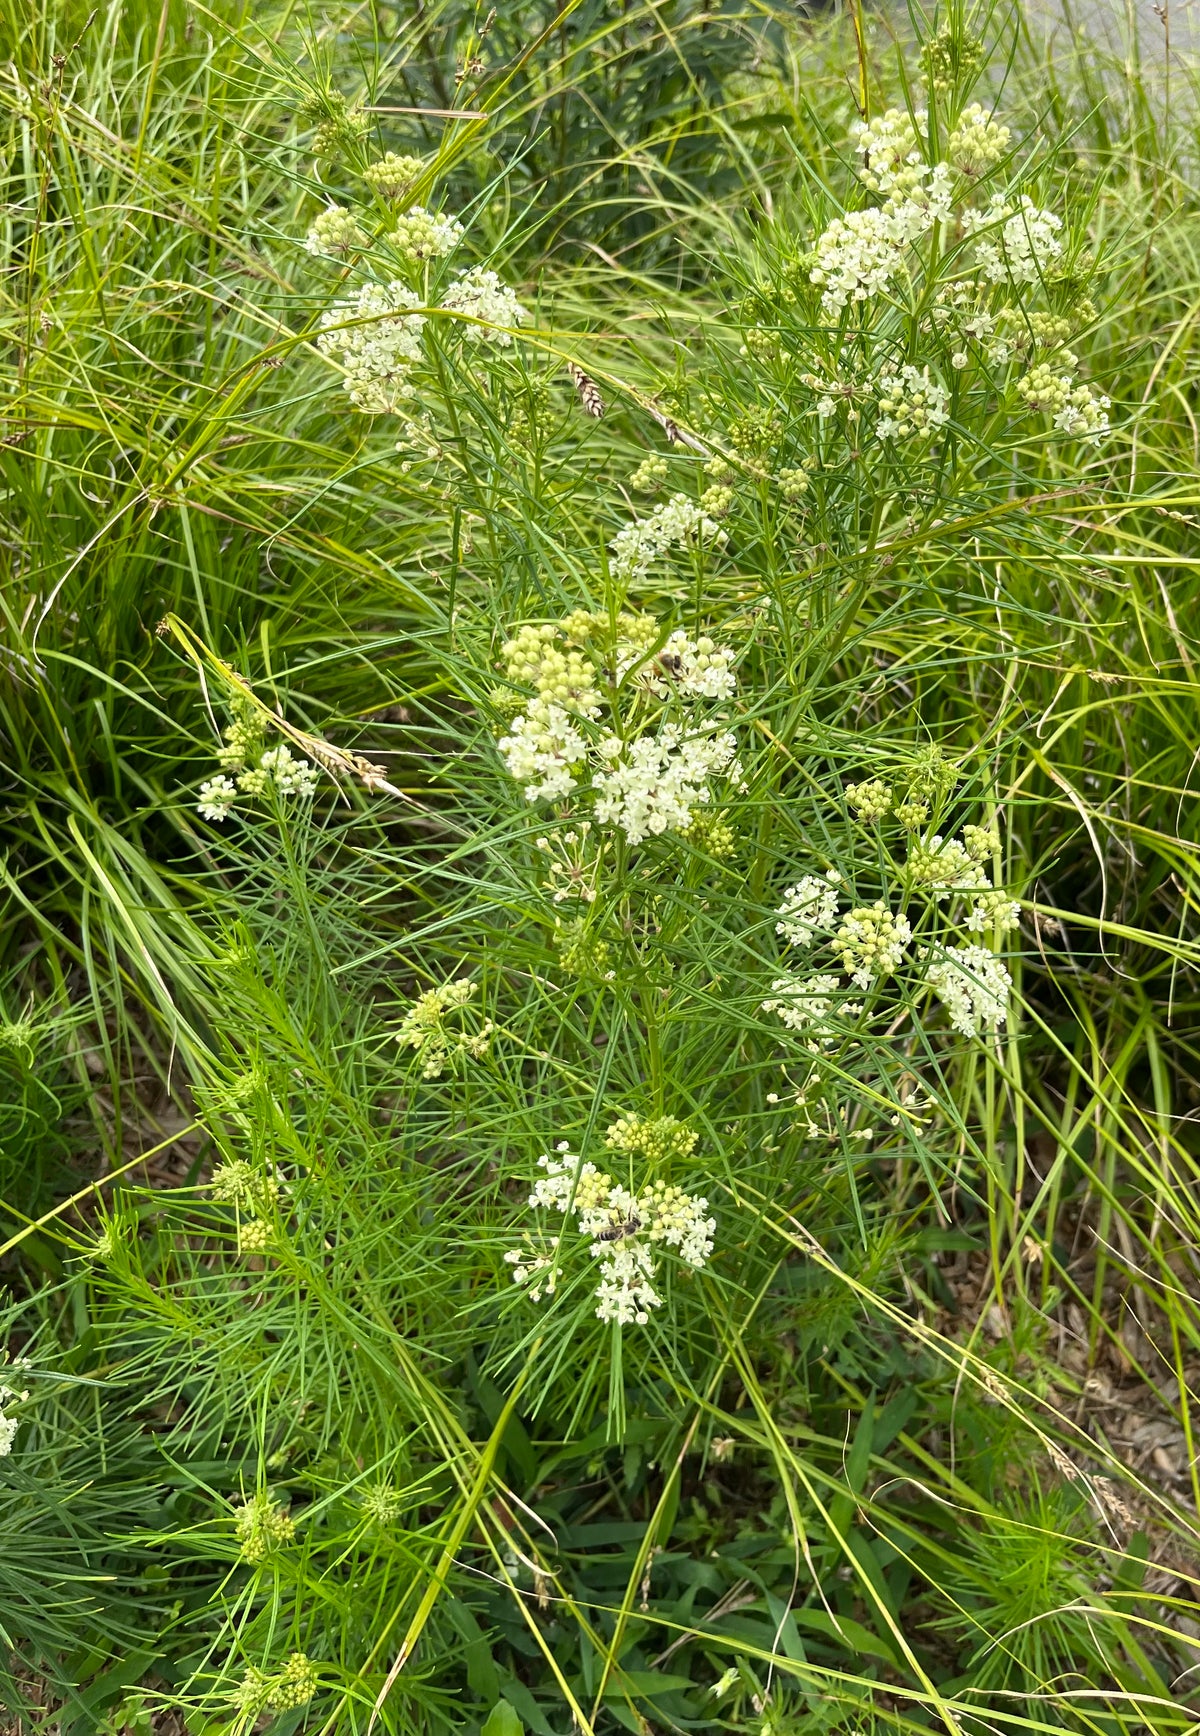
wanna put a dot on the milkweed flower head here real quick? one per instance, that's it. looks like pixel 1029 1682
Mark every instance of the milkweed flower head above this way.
pixel 655 784
pixel 973 985
pixel 283 1691
pixel 993 910
pixel 483 298
pixel 335 233
pixel 217 798
pixel 870 943
pixel 279 770
pixel 869 800
pixel 859 255
pixel 945 865
pixel 391 176
pixel 677 523
pixel 1076 410
pixel 595 678
pixel 977 142
pixel 625 1231
pixel 420 234
pixel 1017 246
pixel 910 403
pixel 435 1028
pixel 891 161
pixel 377 344
pixel 543 751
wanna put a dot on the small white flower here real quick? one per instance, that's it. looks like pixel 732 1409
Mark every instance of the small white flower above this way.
pixel 217 798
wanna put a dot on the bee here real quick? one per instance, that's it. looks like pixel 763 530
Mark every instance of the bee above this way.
pixel 669 663
pixel 618 1232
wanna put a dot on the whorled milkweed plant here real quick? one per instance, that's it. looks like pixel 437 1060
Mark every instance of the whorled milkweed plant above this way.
pixel 616 988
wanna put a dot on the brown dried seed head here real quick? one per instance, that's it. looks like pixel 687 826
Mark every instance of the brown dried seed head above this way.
pixel 589 392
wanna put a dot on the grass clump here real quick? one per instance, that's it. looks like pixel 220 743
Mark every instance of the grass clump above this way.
pixel 598 982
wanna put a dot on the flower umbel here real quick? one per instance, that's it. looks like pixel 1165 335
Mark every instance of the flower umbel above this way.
pixel 262 1527
pixel 438 1043
pixel 376 343
pixel 624 1229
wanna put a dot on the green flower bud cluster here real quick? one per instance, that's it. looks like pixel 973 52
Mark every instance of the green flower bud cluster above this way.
pixel 289 1688
pixel 391 176
pixel 977 143
pixel 952 56
pixel 335 232
pixel 658 1139
pixel 717 501
pixel 583 952
pixel 650 475
pixel 869 801
pixel 262 1527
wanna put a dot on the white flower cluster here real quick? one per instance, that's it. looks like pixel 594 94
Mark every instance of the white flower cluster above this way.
pixel 10 1395
pixel 543 751
pixel 653 785
pixel 945 865
pixel 859 255
pixel 275 770
pixel 624 1230
pixel 376 343
pixel 677 523
pixel 910 403
pixel 1024 243
pixel 802 1002
pixel 480 295
pixel 698 667
pixel 809 908
pixel 647 783
pixel 439 1044
pixel 973 986
pixel 993 910
pixel 375 335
